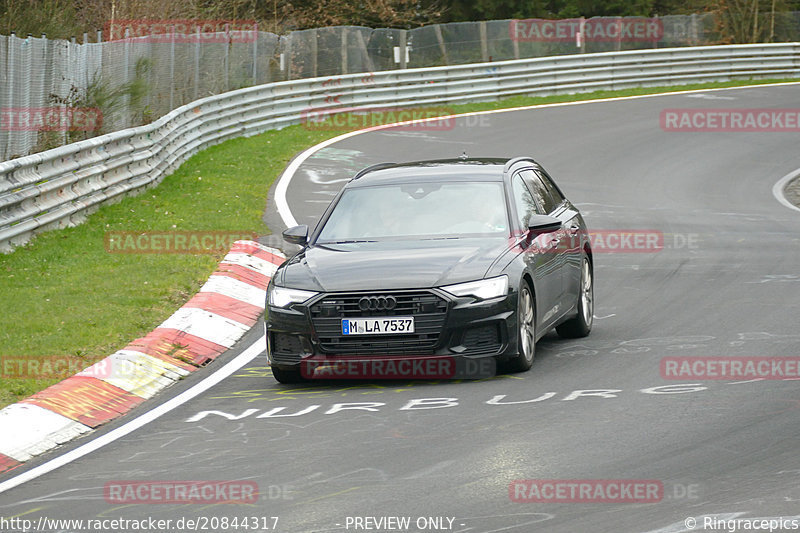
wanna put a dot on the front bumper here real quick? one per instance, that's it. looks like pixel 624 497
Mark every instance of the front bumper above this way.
pixel 300 338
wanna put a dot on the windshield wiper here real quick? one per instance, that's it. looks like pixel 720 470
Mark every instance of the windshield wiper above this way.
pixel 346 242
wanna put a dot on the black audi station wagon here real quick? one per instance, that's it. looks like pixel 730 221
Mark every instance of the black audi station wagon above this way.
pixel 462 259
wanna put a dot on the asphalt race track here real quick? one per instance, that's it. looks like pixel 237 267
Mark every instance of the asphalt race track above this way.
pixel 724 283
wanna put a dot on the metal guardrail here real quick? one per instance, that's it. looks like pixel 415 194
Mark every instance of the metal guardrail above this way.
pixel 59 187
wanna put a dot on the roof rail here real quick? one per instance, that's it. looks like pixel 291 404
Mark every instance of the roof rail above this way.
pixel 370 168
pixel 514 160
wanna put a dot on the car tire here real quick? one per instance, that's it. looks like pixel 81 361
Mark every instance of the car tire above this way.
pixel 286 376
pixel 526 331
pixel 581 325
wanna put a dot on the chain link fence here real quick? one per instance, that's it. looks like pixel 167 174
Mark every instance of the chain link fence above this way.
pixel 133 81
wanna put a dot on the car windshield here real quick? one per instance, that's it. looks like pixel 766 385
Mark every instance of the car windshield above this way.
pixel 417 210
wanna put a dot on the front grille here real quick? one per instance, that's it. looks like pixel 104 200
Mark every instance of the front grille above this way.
pixel 428 309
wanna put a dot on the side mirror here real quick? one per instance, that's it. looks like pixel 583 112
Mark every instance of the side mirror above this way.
pixel 539 224
pixel 296 235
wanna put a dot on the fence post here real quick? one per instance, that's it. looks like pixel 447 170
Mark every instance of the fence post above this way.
pixel 484 44
pixel 11 68
pixel 364 52
pixel 314 51
pixel 344 50
pixel 172 69
pixel 255 54
pixel 197 62
pixel 287 62
pixel 227 58
pixel 655 41
pixel 403 48
pixel 514 42
pixel 583 35
pixel 126 67
pixel 437 29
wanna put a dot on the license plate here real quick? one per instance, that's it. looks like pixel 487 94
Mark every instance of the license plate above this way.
pixel 378 325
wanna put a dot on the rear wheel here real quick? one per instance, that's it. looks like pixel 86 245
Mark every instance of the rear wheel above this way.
pixel 526 331
pixel 581 325
pixel 286 376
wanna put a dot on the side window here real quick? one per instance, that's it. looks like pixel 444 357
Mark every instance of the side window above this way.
pixel 543 200
pixel 524 201
pixel 550 191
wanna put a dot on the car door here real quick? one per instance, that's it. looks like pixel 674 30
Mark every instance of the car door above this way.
pixel 538 254
pixel 570 242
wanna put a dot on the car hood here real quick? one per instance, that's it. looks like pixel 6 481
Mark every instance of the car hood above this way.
pixel 391 265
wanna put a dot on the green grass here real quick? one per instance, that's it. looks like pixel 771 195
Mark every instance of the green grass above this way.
pixel 64 295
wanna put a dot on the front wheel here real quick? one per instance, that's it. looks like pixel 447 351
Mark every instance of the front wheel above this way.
pixel 581 325
pixel 526 331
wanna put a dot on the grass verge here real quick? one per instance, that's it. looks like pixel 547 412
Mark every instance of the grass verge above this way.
pixel 64 296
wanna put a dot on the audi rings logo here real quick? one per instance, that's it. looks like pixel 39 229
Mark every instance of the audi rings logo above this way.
pixel 374 303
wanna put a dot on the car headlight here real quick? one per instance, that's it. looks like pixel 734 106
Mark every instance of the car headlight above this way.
pixel 282 296
pixel 483 289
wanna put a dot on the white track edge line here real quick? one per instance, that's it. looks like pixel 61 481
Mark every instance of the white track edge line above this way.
pixel 250 353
